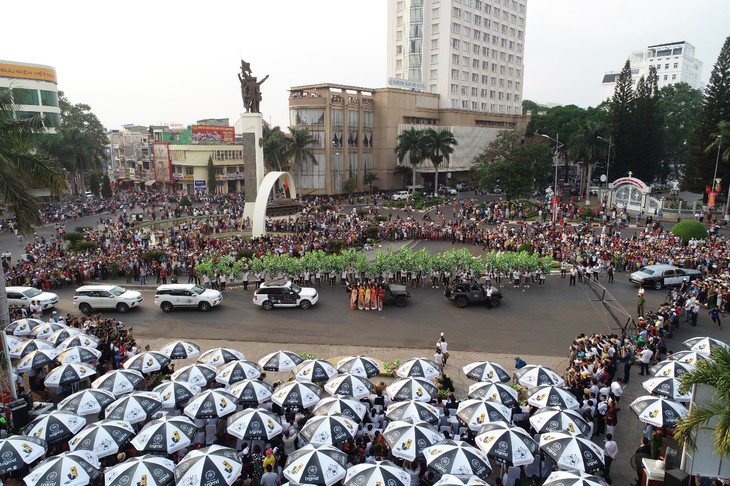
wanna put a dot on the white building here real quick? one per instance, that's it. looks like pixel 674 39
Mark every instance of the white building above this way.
pixel 675 62
pixel 35 91
pixel 470 52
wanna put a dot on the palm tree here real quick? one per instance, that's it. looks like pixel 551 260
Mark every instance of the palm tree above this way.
pixel 713 373
pixel 439 145
pixel 77 151
pixel 273 145
pixel 21 166
pixel 410 143
pixel 297 147
pixel 404 172
pixel 721 138
pixel 587 147
pixel 369 178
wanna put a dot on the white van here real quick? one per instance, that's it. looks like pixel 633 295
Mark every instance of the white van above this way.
pixel 416 188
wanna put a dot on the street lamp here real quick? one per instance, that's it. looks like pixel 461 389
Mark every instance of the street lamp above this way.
pixel 557 148
pixel 717 161
pixel 608 157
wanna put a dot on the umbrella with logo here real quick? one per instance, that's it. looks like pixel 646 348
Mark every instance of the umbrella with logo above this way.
pixel 408 440
pixel 238 370
pixel 79 340
pixel 704 345
pixel 534 375
pixel 26 347
pixel 413 411
pixel 62 334
pixel 486 371
pixel 418 368
pixel 329 429
pixel 210 404
pixel 37 359
pixel 214 465
pixel 118 382
pixel 45 330
pixel 572 452
pixel 297 394
pixel 175 393
pixel 13 341
pixel 344 405
pixel 219 356
pixel 253 424
pixel 23 327
pixel 280 361
pixel 551 396
pixel 165 435
pixel 352 385
pixel 55 426
pixel 569 478
pixel 19 450
pixel 316 464
pixel 251 392
pixel 146 470
pixel 671 369
pixel 79 354
pixel 359 366
pixel 180 350
pixel 314 370
pixel 457 458
pixel 667 387
pixel 66 469
pixel 198 374
pixel 507 444
pixel 475 413
pixel 378 473
pixel 134 408
pixel 658 411
pixel 494 391
pixel 87 402
pixel 551 419
pixel 418 389
pixel 104 438
pixel 450 480
pixel 68 374
pixel 689 357
pixel 147 362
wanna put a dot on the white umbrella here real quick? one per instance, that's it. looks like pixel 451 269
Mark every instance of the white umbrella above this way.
pixel 198 374
pixel 254 423
pixel 175 393
pixel 251 391
pixel 344 405
pixel 66 374
pixel 451 480
pixel 412 389
pixel 78 354
pixel 79 340
pixel 165 435
pixel 104 438
pixel 703 345
pixel 180 349
pixel 87 402
pixel 671 369
pixel 297 394
pixel 134 408
pixel 314 370
pixel 45 330
pixel 118 382
pixel 572 452
pixel 147 362
pixel 66 469
pixel 13 340
pixel 378 473
pixel 457 458
pixel 419 368
pixel 26 347
pixel 55 426
pixel 568 478
pixel 280 361
pixel 148 469
pixel 408 440
pixel 36 359
pixel 486 371
pixel 507 444
pixel 19 450
pixel 658 411
pixel 328 429
pixel 220 356
pixel 216 403
pixel 667 387
pixel 689 357
pixel 412 411
pixel 475 413
pixel 352 385
pixel 214 465
pixel 359 366
pixel 316 464
pixel 62 334
pixel 551 419
pixel 494 391
pixel 22 327
pixel 551 396
pixel 534 375
pixel 238 370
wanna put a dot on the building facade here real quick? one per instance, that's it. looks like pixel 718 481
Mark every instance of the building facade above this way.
pixel 34 89
pixel 128 156
pixel 470 52
pixel 356 131
pixel 675 62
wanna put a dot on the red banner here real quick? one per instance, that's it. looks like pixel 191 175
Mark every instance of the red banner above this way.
pixel 213 134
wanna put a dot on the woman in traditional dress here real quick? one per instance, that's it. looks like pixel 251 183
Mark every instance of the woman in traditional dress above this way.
pixel 360 296
pixel 373 296
pixel 366 302
pixel 353 298
pixel 381 296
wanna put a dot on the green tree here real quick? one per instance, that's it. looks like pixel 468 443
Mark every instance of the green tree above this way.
pixel 76 151
pixel 95 183
pixel 516 167
pixel 621 122
pixel 274 145
pixel 297 148
pixel 678 106
pixel 410 144
pixel 438 145
pixel 404 172
pixel 350 185
pixel 211 176
pixel 714 373
pixel 715 108
pixel 529 107
pixel 721 141
pixel 106 186
pixel 587 148
pixel 370 178
pixel 648 147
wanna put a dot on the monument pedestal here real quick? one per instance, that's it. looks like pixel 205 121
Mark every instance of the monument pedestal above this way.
pixel 250 126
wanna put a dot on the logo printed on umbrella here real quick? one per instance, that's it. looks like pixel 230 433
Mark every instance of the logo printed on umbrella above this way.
pixel 227 467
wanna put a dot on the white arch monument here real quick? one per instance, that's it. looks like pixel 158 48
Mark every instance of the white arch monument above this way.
pixel 258 224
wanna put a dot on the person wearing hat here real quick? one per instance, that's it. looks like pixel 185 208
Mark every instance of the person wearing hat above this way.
pixel 519 363
pixel 269 460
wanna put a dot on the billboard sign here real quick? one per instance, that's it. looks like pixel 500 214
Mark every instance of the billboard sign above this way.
pixel 406 84
pixel 163 163
pixel 200 184
pixel 28 71
pixel 213 134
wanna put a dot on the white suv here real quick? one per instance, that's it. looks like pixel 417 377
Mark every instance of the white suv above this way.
pixel 23 296
pixel 284 293
pixel 186 295
pixel 92 297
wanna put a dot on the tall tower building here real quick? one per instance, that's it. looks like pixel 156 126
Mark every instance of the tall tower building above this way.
pixel 470 52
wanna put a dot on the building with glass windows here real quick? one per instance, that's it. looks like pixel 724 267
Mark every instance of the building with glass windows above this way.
pixel 35 91
pixel 470 52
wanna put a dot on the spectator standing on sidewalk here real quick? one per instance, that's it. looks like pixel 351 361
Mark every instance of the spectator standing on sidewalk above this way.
pixel 610 449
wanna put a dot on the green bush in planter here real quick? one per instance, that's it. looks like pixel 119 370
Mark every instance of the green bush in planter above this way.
pixel 689 229
pixel 525 247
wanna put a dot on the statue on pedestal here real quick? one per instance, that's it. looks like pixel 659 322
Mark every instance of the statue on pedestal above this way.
pixel 250 88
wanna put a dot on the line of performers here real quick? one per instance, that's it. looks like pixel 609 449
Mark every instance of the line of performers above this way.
pixel 366 296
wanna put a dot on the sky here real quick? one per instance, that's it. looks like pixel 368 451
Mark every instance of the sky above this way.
pixel 164 61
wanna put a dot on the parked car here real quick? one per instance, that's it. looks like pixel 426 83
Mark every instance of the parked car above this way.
pixel 658 276
pixel 23 296
pixel 284 293
pixel 401 195
pixel 465 293
pixel 448 190
pixel 170 296
pixel 93 297
pixel 416 188
pixel 462 186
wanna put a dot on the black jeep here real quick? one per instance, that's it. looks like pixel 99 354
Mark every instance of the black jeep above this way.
pixel 465 293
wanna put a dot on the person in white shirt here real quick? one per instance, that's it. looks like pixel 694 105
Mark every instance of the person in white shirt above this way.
pixel 617 390
pixel 438 358
pixel 644 360
pixel 610 451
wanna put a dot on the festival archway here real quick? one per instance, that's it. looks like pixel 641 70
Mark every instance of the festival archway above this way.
pixel 633 194
pixel 258 225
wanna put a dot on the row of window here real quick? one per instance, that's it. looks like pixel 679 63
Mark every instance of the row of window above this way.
pixel 484 106
pixel 484 93
pixel 189 170
pixel 26 96
pixel 486 80
pixel 478 35
pixel 505 16
pixel 316 116
pixel 666 66
pixel 50 120
pixel 479 4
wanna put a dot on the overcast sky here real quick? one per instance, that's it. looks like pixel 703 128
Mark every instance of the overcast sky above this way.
pixel 176 61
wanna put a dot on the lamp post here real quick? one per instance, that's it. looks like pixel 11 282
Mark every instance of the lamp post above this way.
pixel 717 162
pixel 555 163
pixel 608 157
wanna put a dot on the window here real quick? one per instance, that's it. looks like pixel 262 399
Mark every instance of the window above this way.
pixel 454 74
pixel 399 49
pixel 666 77
pixel 464 61
pixel 674 76
pixel 434 58
pixel 464 90
pixel 454 88
pixel 467 31
pixel 455 43
pixel 434 73
pixel 455 59
pixel 474 91
pixel 22 96
pixel 188 170
pixel 676 65
pixel 435 13
pixel 666 66
pixel 434 43
pixel 399 21
pixel 336 118
pixel 456 12
pixel 353 118
pixel 434 29
pixel 52 120
pixel 474 78
pixel 465 76
pixel 399 64
pixel 49 98
pixel 307 116
pixel 475 63
pixel 455 28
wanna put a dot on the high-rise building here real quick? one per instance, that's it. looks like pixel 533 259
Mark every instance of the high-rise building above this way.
pixel 470 52
pixel 34 90
pixel 675 62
